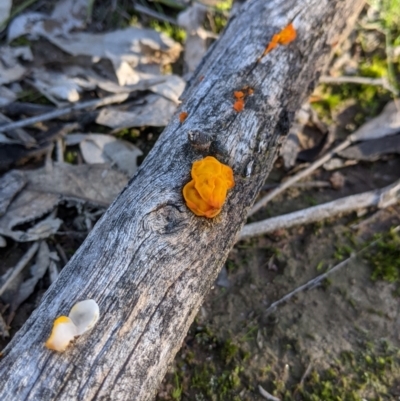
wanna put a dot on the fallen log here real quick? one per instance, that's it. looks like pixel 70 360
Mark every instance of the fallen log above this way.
pixel 149 261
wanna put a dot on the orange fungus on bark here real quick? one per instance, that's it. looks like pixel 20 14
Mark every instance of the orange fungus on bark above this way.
pixel 238 106
pixel 287 35
pixel 182 116
pixel 206 193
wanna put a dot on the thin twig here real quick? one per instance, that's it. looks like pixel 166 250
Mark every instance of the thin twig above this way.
pixel 359 80
pixel 154 14
pixel 3 328
pixel 53 271
pixel 62 253
pixel 59 150
pixel 267 395
pixel 20 266
pixel 118 98
pixel 306 373
pixel 380 198
pixel 317 280
pixel 301 185
pixel 297 177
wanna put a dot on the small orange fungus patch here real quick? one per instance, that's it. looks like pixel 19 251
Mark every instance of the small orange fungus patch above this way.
pixel 238 105
pixel 206 193
pixel 240 97
pixel 238 94
pixel 182 116
pixel 287 35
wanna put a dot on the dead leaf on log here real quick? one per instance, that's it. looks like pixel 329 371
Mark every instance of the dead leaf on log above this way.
pixel 120 61
pixel 11 69
pixel 197 38
pixel 372 150
pixel 57 86
pixel 129 50
pixel 100 148
pixel 155 112
pixel 336 163
pixel 67 15
pixel 3 328
pixel 16 155
pixel 387 123
pixel 7 96
pixel 290 149
pixel 19 134
pixel 37 271
pixel 97 185
pixel 10 185
pixel 5 8
pixel 171 88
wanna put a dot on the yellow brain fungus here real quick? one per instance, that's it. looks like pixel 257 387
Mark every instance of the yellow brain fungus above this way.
pixel 82 317
pixel 206 193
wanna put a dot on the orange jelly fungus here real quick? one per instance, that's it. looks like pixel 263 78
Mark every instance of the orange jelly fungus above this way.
pixel 238 106
pixel 287 35
pixel 238 94
pixel 206 193
pixel 182 116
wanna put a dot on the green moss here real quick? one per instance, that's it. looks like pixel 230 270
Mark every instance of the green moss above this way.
pixel 71 156
pixel 231 266
pixel 356 376
pixel 176 393
pixel 229 351
pixel 224 5
pixel 21 41
pixel 343 251
pixel 385 258
pixel 33 96
pixel 216 386
pixel 168 29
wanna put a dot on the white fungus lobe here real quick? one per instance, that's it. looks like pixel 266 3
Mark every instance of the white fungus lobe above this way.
pixel 85 315
pixel 82 317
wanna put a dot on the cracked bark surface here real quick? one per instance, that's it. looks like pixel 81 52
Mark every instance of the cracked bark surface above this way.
pixel 149 261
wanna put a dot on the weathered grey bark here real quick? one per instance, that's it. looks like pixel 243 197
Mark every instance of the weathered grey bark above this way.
pixel 149 261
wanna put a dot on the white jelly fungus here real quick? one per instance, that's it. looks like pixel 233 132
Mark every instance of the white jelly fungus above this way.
pixel 82 317
pixel 84 314
pixel 62 334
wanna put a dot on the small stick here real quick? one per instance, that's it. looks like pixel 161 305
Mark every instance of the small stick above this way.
pixel 20 266
pixel 53 271
pixel 61 252
pixel 306 373
pixel 118 98
pixel 297 177
pixel 358 80
pixel 154 14
pixel 317 280
pixel 380 198
pixel 4 328
pixel 310 284
pixel 60 150
pixel 267 395
pixel 301 185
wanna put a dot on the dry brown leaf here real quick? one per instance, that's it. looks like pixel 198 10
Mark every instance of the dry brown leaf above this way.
pixel 97 185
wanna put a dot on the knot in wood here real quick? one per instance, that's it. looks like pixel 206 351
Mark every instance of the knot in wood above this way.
pixel 200 140
pixel 166 219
